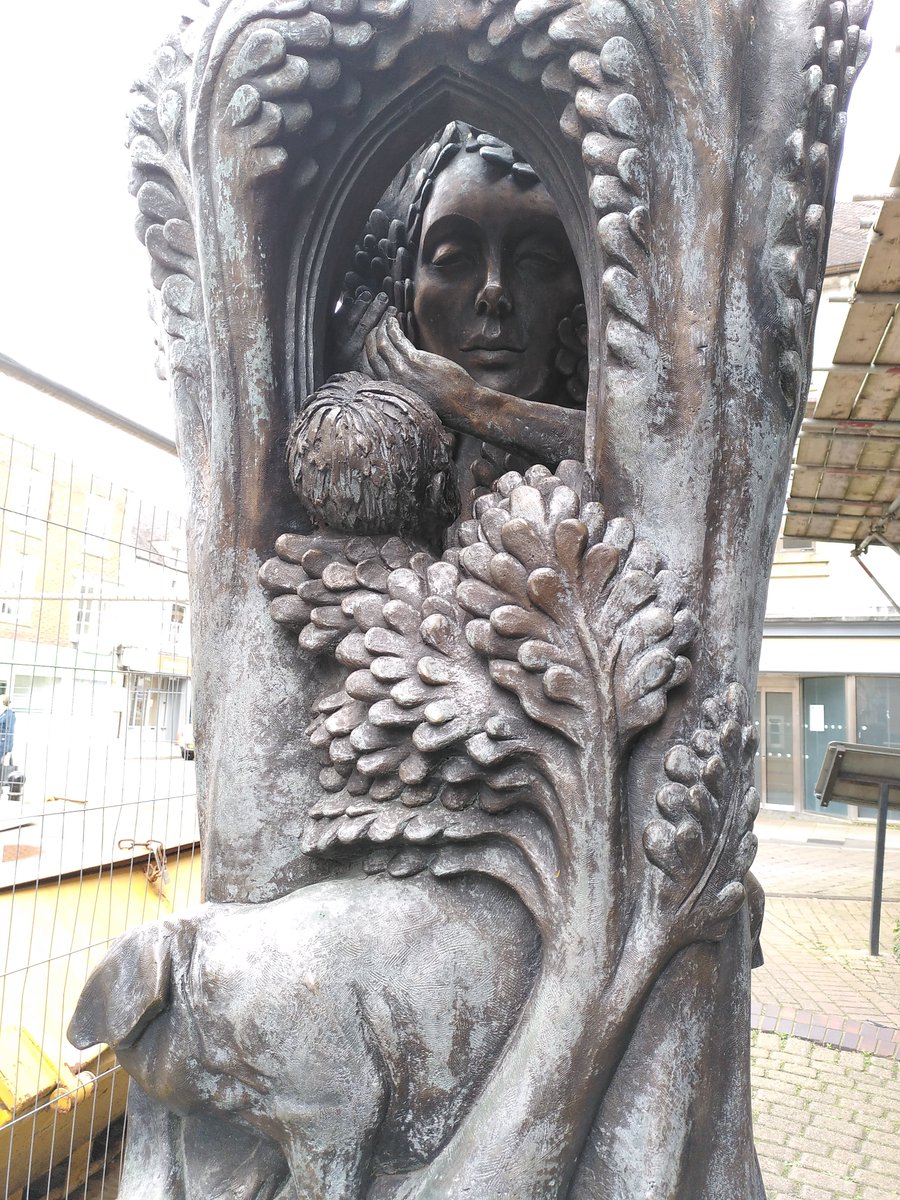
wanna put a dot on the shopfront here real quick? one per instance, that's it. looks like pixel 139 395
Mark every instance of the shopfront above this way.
pixel 798 712
pixel 155 705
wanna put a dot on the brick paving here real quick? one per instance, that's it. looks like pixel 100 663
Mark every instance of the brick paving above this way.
pixel 826 1120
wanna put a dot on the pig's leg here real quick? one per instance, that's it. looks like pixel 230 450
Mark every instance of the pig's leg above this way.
pixel 224 1161
pixel 153 1164
pixel 329 1138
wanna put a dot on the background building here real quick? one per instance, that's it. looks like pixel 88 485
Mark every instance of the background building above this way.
pixel 94 610
pixel 830 662
pixel 94 613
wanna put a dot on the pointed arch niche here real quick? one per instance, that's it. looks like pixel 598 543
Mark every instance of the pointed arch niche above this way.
pixel 360 167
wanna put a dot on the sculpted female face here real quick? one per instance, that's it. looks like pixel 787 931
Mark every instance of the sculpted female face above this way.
pixel 494 277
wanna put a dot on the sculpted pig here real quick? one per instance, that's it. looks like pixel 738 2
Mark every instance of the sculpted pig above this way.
pixel 321 1020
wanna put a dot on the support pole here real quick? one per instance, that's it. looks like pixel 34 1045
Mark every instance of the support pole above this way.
pixel 878 873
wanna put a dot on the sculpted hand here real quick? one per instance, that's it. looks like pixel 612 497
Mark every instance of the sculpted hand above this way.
pixel 356 321
pixel 441 383
pixel 541 432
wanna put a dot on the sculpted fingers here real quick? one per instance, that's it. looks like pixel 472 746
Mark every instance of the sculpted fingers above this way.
pixel 387 344
pixel 377 364
pixel 371 314
pixel 400 345
pixel 358 319
pixel 383 355
pixel 356 308
pixel 394 333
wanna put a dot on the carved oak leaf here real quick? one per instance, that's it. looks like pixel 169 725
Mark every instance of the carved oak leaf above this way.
pixel 615 63
pixel 161 179
pixel 597 63
pixel 273 87
pixel 162 185
pixel 288 72
pixel 703 840
pixel 802 198
pixel 316 606
pixel 477 682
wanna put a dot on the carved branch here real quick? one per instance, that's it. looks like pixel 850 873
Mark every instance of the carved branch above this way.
pixel 704 847
pixel 704 844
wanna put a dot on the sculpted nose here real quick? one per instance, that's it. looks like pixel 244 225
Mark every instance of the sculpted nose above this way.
pixel 493 300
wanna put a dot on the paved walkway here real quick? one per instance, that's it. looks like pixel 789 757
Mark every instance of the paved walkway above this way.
pixel 827 1120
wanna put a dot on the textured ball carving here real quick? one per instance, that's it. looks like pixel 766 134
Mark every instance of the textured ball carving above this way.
pixel 371 457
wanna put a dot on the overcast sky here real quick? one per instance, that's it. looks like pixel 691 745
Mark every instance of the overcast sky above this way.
pixel 74 277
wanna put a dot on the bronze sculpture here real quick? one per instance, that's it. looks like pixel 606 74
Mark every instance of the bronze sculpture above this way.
pixel 531 757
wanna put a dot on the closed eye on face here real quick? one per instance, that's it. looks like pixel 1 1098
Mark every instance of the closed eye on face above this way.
pixel 451 254
pixel 541 253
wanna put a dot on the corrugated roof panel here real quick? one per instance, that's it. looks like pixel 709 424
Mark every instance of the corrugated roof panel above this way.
pixel 890 347
pixel 831 487
pixel 839 392
pixel 862 487
pixel 845 480
pixel 878 456
pixel 845 452
pixel 863 331
pixel 878 398
pixel 850 226
pixel 848 530
pixel 795 526
pixel 880 271
pixel 819 528
pixel 812 449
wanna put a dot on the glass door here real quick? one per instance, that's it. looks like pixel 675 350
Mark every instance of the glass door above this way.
pixel 877 717
pixel 778 767
pixel 824 721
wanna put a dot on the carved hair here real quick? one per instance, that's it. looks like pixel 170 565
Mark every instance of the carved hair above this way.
pixel 367 456
pixel 455 137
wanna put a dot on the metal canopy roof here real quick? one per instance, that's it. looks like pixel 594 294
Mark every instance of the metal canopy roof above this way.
pixel 846 481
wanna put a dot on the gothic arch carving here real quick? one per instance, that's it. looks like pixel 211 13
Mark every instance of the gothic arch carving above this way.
pixel 367 162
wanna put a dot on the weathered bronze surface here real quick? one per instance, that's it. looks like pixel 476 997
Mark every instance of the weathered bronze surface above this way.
pixel 479 920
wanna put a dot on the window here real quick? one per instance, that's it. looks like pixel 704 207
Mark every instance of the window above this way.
pixel 794 546
pixel 877 717
pixel 87 614
pixel 29 496
pixel 176 619
pixel 824 721
pixel 33 692
pixel 97 523
pixel 777 766
pixel 878 710
pixel 16 581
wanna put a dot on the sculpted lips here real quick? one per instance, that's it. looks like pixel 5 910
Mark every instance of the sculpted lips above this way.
pixel 491 358
pixel 489 341
pixel 491 352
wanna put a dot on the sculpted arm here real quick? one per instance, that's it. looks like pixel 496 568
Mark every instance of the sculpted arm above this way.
pixel 541 431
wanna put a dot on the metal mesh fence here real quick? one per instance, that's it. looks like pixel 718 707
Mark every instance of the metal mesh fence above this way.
pixel 98 829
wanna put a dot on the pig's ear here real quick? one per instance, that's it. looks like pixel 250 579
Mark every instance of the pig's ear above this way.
pixel 126 991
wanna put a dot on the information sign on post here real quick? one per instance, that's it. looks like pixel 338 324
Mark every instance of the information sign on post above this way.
pixel 855 774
